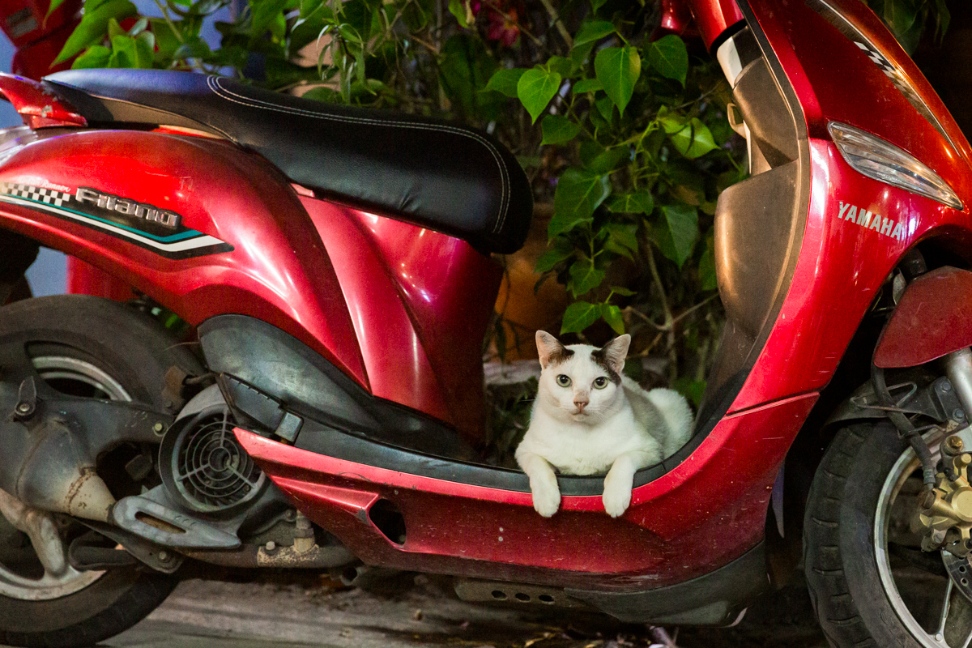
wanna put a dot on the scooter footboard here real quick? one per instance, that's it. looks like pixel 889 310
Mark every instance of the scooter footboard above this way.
pixel 420 512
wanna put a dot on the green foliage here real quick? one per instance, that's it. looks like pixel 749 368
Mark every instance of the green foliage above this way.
pixel 908 20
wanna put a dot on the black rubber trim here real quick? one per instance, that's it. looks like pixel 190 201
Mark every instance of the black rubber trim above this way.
pixel 716 598
pixel 322 439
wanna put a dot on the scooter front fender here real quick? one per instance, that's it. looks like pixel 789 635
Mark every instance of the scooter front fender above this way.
pixel 931 320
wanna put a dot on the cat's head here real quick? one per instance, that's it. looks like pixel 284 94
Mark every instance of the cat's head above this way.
pixel 581 383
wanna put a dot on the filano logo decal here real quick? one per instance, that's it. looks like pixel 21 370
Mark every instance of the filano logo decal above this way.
pixel 146 213
pixel 869 220
pixel 145 225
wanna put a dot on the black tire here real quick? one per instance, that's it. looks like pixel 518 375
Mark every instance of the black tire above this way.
pixel 852 604
pixel 136 352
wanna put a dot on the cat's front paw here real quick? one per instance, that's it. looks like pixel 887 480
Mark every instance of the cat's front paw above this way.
pixel 617 495
pixel 546 497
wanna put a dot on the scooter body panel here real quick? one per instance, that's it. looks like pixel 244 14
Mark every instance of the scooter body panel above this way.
pixel 857 228
pixel 255 250
pixel 684 524
pixel 420 302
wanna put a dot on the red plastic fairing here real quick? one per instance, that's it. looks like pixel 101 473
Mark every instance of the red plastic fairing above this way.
pixel 931 320
pixel 420 302
pixel 847 251
pixel 277 269
pixel 26 21
pixel 38 107
pixel 474 531
pixel 713 17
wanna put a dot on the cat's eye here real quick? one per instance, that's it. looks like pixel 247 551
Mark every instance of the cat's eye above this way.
pixel 563 380
pixel 600 382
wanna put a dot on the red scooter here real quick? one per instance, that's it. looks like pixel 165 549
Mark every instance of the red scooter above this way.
pixel 335 263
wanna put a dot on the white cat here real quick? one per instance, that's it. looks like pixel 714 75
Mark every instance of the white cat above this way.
pixel 589 418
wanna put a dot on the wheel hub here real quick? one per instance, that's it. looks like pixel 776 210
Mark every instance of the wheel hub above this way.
pixel 946 509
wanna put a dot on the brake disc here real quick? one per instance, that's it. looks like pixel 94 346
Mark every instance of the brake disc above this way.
pixel 960 572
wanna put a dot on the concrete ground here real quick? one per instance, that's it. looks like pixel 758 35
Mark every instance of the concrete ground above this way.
pixel 279 610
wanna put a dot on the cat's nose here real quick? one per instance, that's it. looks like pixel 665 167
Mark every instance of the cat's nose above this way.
pixel 580 403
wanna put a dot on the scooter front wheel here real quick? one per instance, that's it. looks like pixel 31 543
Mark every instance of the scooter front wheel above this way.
pixel 87 348
pixel 870 582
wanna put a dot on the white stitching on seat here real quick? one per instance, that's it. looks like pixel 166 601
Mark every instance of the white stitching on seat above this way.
pixel 229 95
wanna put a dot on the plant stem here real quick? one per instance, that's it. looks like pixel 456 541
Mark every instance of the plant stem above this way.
pixel 168 20
pixel 556 21
pixel 669 320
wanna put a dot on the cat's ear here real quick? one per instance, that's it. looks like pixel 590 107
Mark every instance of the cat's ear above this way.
pixel 616 351
pixel 548 347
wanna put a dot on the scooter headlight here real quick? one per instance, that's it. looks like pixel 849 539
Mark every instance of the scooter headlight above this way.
pixel 882 161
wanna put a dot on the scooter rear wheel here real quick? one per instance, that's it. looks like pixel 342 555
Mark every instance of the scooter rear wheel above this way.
pixel 85 347
pixel 870 583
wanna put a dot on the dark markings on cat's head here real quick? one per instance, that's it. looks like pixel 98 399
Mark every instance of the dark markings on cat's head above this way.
pixel 611 356
pixel 599 359
pixel 551 351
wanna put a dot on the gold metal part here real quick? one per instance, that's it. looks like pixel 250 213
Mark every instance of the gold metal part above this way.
pixel 946 510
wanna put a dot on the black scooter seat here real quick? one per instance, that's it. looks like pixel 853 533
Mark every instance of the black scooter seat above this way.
pixel 446 177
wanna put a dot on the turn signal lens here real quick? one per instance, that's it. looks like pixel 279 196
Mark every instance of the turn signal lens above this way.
pixel 877 159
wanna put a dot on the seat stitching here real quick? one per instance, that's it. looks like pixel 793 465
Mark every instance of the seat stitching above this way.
pixel 229 95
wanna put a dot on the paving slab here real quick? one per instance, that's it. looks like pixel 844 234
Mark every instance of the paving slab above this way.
pixel 287 611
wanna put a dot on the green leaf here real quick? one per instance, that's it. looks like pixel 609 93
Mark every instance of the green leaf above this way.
pixel 584 277
pixel 415 17
pixel 54 5
pixel 96 56
pixel 624 292
pixel 679 232
pixel 618 68
pixel 587 85
pixel 93 26
pixel 612 315
pixel 599 159
pixel 625 235
pixel 580 54
pixel 579 316
pixel 578 194
pixel 592 31
pixel 692 139
pixel 605 107
pixel 464 68
pixel 138 27
pixel 900 15
pixel 536 88
pixel 193 48
pixel 558 253
pixel 669 58
pixel 165 38
pixel 264 14
pixel 560 65
pixel 640 202
pixel 462 13
pixel 557 129
pixel 504 81
pixel 128 52
pixel 596 4
pixel 114 29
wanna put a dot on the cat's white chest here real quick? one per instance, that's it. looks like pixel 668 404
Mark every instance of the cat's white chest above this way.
pixel 579 449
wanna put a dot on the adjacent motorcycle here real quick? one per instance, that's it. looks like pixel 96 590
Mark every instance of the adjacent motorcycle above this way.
pixel 335 264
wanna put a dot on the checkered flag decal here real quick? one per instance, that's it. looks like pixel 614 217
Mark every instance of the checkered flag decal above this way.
pixel 896 78
pixel 878 59
pixel 37 194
